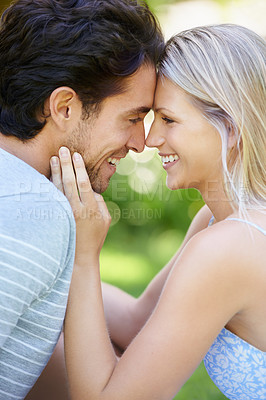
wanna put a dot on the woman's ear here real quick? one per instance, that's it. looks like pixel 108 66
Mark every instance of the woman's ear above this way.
pixel 64 107
pixel 232 136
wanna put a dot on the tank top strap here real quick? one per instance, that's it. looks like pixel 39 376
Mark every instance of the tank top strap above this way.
pixel 211 221
pixel 249 223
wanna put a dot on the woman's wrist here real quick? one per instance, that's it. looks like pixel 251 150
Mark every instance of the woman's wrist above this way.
pixel 87 261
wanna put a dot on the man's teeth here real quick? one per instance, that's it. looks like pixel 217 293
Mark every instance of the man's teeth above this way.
pixel 171 158
pixel 113 161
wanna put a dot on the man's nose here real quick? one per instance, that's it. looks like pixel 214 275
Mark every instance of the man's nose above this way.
pixel 136 141
pixel 155 138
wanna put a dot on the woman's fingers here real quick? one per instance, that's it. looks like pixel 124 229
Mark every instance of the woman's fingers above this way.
pixel 73 180
pixel 103 208
pixel 56 177
pixel 68 177
pixel 89 199
pixel 89 209
pixel 86 193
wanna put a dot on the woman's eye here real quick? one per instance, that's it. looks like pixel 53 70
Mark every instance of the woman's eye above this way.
pixel 135 120
pixel 167 120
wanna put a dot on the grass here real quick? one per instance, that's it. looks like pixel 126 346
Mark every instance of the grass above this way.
pixel 131 269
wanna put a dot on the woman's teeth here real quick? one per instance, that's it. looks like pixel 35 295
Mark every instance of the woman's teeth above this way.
pixel 113 161
pixel 171 158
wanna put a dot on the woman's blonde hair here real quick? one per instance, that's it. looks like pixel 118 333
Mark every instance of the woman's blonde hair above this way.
pixel 223 69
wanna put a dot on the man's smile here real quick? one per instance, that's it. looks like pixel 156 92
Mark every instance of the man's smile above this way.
pixel 114 161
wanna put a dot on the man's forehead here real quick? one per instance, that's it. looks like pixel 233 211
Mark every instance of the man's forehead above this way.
pixel 136 96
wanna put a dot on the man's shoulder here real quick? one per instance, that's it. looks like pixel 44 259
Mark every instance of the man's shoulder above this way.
pixel 32 211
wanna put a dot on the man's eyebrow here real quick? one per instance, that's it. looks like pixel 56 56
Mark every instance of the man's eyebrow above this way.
pixel 139 110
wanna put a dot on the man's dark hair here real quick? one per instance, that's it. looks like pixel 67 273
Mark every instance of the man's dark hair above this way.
pixel 88 45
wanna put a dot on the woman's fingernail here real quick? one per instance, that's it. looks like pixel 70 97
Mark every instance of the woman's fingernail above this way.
pixel 76 156
pixel 54 161
pixel 64 152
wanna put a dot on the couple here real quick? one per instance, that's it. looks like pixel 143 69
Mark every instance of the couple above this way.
pixel 65 91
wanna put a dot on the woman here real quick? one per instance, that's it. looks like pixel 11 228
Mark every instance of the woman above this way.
pixel 210 300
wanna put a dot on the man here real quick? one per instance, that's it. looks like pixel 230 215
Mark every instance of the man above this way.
pixel 73 73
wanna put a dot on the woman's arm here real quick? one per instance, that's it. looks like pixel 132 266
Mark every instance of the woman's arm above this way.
pixel 198 299
pixel 204 290
pixel 126 315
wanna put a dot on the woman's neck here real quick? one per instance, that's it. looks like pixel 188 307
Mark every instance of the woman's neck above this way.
pixel 217 201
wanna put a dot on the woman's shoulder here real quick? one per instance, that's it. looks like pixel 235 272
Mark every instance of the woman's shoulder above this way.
pixel 232 229
pixel 233 243
pixel 230 244
pixel 210 237
pixel 244 234
pixel 209 240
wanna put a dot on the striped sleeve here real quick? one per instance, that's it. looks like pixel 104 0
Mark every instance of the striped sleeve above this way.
pixel 26 273
pixel 36 261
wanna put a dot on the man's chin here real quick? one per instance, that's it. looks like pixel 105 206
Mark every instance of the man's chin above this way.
pixel 100 186
pixel 99 179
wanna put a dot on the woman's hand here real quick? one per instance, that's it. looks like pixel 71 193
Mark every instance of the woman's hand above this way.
pixel 91 214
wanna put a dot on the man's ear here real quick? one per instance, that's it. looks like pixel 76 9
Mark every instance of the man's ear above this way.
pixel 65 107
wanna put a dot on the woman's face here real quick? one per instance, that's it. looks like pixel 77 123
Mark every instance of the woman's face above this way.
pixel 189 146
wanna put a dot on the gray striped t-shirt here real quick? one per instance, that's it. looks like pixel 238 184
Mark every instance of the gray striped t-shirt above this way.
pixel 37 245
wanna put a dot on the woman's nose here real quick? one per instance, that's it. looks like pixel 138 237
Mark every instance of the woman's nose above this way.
pixel 154 138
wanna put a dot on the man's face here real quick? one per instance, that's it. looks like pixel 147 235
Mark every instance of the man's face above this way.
pixel 106 137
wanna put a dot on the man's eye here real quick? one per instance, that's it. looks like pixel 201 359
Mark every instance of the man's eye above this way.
pixel 135 120
pixel 167 120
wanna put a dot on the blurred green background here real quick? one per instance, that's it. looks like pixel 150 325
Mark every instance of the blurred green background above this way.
pixel 150 221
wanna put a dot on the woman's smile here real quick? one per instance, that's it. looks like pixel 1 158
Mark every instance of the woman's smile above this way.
pixel 169 160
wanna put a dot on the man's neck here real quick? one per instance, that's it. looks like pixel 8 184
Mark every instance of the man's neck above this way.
pixel 34 151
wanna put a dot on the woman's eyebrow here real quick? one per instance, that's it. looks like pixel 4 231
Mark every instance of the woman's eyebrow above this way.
pixel 162 109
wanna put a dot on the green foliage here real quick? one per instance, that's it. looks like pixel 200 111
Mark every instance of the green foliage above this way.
pixel 154 4
pixel 4 4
